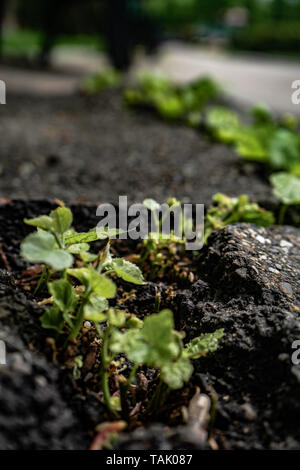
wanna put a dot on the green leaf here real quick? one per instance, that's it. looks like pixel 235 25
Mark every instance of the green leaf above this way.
pixel 44 222
pixel 40 247
pixel 220 118
pixel 132 321
pixel 286 187
pixel 62 217
pixel 63 295
pixel 227 210
pixel 158 333
pixel 130 343
pixel 78 248
pixel 84 237
pixel 96 317
pixel 250 147
pixel 105 232
pixel 151 204
pixel 284 150
pixel 170 107
pixel 95 305
pixel 88 257
pixel 53 319
pixel 127 271
pixel 225 124
pixel 116 318
pixel 261 114
pixel 175 374
pixel 99 284
pixel 203 344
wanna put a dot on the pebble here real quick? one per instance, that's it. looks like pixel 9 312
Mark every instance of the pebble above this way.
pixel 274 271
pixel 285 244
pixel 41 381
pixel 18 363
pixel 261 239
pixel 286 288
pixel 249 412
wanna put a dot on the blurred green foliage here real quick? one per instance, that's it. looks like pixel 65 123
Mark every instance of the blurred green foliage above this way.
pixel 269 37
pixel 170 101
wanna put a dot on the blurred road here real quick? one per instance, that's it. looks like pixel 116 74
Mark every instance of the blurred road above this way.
pixel 248 79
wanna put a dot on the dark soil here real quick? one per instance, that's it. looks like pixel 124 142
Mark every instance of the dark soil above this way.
pixel 94 149
pixel 246 280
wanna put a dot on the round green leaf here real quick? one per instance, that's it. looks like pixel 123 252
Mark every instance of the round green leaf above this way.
pixel 100 285
pixel 40 247
pixel 286 187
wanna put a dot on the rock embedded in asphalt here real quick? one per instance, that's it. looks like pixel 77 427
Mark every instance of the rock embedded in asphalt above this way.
pixel 252 290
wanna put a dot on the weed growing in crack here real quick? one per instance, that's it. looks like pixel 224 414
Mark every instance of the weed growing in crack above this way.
pixel 230 210
pixel 83 293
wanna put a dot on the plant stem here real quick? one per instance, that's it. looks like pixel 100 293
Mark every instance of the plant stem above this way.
pixel 124 387
pixel 80 315
pixel 60 244
pixel 104 372
pixel 132 375
pixel 41 280
pixel 282 213
pixel 159 398
pixel 213 412
pixel 98 329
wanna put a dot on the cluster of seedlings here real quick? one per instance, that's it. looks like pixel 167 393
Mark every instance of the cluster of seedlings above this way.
pixel 78 286
pixel 275 143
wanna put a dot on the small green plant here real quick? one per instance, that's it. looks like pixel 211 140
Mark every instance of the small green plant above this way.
pixel 172 102
pixel 153 343
pixel 276 144
pixel 109 78
pixel 159 247
pixel 83 293
pixel 227 210
pixel 55 244
pixel 286 187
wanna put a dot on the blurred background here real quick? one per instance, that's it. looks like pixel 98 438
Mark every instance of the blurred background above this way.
pixel 237 41
pixel 55 144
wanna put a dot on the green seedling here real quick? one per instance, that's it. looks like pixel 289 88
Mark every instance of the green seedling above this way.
pixel 227 210
pixel 78 363
pixel 286 187
pixel 171 102
pixel 276 144
pixel 158 247
pixel 83 293
pixel 155 343
pixel 109 78
pixel 56 244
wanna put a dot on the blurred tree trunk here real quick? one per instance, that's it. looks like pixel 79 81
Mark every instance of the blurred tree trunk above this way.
pixel 2 14
pixel 118 33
